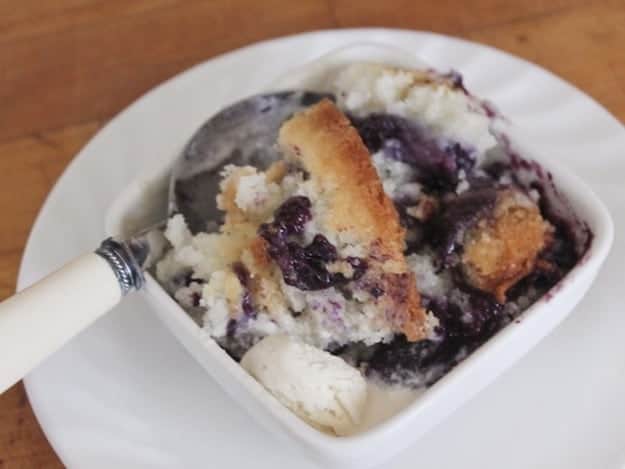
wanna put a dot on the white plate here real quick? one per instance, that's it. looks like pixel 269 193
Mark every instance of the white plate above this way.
pixel 125 394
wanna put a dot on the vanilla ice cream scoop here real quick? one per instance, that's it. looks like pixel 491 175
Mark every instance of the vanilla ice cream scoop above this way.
pixel 320 388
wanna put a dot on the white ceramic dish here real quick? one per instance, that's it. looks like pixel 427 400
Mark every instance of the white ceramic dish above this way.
pixel 126 394
pixel 500 352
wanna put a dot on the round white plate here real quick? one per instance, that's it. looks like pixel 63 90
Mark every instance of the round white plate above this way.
pixel 126 394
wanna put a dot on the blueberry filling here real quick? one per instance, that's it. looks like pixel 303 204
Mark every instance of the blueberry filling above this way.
pixel 231 328
pixel 320 249
pixel 291 217
pixel 470 317
pixel 461 330
pixel 477 319
pixel 464 161
pixel 303 267
pixel 437 167
pixel 400 361
pixel 249 312
pixel 458 214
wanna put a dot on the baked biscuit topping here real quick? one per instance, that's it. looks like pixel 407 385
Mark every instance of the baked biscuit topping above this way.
pixel 503 248
pixel 325 144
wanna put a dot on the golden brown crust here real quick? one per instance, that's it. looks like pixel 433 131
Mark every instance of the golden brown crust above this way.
pixel 322 140
pixel 502 250
pixel 330 149
pixel 402 303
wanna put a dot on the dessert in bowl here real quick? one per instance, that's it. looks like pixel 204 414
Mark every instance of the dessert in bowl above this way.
pixel 401 236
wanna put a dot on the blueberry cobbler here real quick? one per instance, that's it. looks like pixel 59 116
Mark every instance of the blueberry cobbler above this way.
pixel 397 234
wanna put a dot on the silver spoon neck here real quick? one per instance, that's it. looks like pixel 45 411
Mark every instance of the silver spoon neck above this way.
pixel 125 259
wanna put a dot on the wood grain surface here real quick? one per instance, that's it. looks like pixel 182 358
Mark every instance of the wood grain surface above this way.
pixel 67 66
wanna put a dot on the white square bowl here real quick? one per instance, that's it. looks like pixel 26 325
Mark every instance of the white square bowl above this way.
pixel 144 201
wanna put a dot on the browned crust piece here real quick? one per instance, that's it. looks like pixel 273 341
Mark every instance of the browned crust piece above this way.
pixel 503 249
pixel 322 140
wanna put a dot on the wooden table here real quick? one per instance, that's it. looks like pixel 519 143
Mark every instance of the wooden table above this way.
pixel 67 66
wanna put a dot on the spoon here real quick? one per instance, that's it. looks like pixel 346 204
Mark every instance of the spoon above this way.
pixel 37 321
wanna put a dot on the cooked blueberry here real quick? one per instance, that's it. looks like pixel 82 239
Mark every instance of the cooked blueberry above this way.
pixel 247 306
pixel 436 166
pixel 463 159
pixel 460 331
pixel 303 271
pixel 562 251
pixel 289 220
pixel 293 215
pixel 320 248
pixel 303 267
pixel 399 361
pixel 231 328
pixel 458 214
pixel 479 316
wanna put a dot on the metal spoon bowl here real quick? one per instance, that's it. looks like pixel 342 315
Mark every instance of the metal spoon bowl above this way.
pixel 244 133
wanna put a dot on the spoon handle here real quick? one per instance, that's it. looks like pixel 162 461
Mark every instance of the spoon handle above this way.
pixel 38 320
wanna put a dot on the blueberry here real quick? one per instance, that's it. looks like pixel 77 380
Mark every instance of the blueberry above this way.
pixel 231 328
pixel 292 215
pixel 460 331
pixel 436 166
pixel 303 267
pixel 320 248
